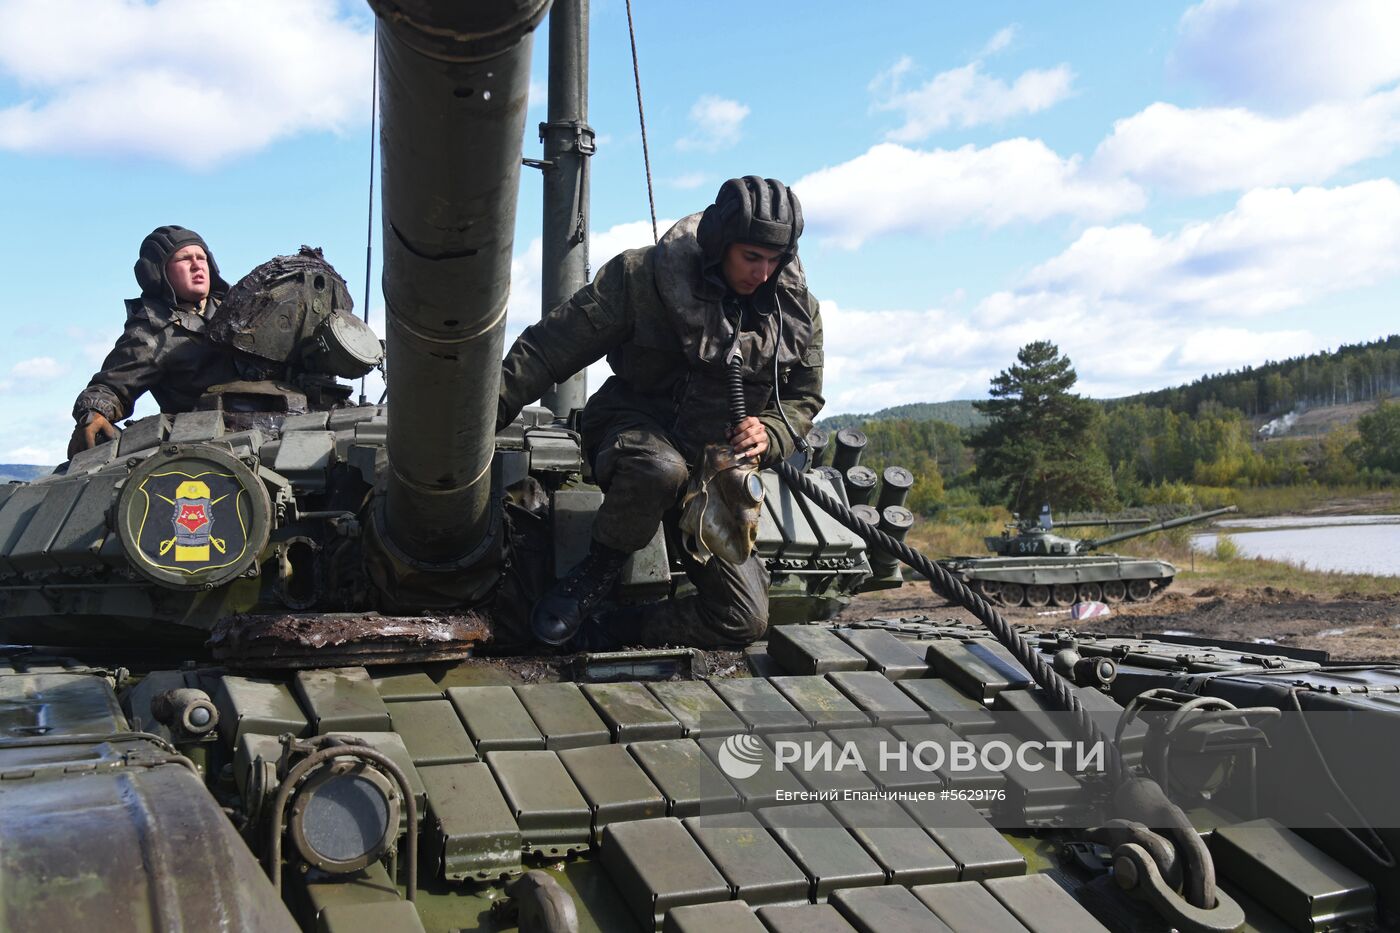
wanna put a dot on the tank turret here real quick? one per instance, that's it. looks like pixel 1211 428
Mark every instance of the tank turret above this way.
pixel 1036 538
pixel 399 531
pixel 314 505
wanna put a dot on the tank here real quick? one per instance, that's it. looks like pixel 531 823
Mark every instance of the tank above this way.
pixel 263 665
pixel 1037 568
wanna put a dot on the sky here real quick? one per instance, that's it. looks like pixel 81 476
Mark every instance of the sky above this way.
pixel 1164 190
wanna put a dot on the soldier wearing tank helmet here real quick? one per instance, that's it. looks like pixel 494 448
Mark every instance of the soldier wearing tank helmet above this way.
pixel 162 349
pixel 722 283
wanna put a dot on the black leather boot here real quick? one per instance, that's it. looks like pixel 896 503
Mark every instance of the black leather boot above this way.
pixel 616 628
pixel 559 613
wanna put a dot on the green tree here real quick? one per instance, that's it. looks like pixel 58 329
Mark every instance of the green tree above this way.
pixel 926 495
pixel 1334 466
pixel 1039 445
pixel 1378 446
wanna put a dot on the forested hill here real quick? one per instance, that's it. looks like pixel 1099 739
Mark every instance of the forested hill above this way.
pixel 958 412
pixel 1359 372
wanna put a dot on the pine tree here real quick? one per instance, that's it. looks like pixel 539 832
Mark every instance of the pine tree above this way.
pixel 1039 446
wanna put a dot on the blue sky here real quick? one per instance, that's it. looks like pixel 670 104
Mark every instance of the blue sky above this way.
pixel 1165 190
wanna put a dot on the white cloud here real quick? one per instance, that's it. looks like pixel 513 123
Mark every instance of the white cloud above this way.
pixel 631 235
pixel 49 455
pixel 894 189
pixel 32 376
pixel 878 358
pixel 36 433
pixel 191 83
pixel 1000 41
pixel 1216 348
pixel 1136 309
pixel 523 306
pixel 1277 249
pixel 1205 150
pixel 38 369
pixel 717 124
pixel 966 96
pixel 689 181
pixel 1120 347
pixel 1117 348
pixel 1290 52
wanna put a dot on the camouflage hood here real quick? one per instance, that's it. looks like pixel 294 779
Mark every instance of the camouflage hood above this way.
pixel 694 298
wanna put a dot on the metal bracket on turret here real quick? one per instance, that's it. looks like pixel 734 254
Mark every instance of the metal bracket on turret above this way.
pixel 568 136
pixel 565 136
pixel 561 138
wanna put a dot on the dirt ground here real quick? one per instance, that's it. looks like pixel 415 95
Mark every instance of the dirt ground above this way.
pixel 1348 628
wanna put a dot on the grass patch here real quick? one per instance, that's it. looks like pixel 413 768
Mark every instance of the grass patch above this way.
pixel 959 528
pixel 948 539
pixel 1226 549
pixel 1283 500
pixel 1257 573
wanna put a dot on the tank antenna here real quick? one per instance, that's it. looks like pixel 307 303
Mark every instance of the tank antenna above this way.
pixel 642 119
pixel 369 216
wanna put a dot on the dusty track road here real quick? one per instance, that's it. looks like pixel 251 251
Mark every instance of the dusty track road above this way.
pixel 1349 628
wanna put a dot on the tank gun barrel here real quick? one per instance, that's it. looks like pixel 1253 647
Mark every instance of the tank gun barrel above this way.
pixel 1094 522
pixel 1157 526
pixel 453 90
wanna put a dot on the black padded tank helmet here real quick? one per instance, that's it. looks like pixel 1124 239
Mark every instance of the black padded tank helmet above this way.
pixel 762 211
pixel 157 248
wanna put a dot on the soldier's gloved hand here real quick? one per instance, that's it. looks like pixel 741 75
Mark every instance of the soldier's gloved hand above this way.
pixel 85 435
pixel 749 438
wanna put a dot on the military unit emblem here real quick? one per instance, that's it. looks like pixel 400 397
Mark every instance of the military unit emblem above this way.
pixel 181 537
pixel 194 521
pixel 193 517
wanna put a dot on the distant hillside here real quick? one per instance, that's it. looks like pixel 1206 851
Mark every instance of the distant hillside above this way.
pixel 1350 374
pixel 22 471
pixel 958 412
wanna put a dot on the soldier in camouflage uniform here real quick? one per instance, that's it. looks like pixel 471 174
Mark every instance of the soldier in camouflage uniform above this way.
pixel 668 317
pixel 163 349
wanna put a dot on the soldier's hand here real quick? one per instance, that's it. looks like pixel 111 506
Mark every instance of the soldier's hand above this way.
pixel 86 434
pixel 749 438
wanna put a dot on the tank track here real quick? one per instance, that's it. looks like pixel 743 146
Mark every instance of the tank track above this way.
pixel 1063 595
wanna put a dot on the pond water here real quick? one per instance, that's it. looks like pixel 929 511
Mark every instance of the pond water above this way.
pixel 1345 543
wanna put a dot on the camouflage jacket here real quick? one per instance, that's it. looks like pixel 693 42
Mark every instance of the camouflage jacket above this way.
pixel 662 326
pixel 163 351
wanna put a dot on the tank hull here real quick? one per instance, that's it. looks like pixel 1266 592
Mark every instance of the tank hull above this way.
pixel 1042 581
pixel 543 790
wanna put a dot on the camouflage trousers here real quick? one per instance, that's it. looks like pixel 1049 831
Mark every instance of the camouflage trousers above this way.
pixel 643 473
